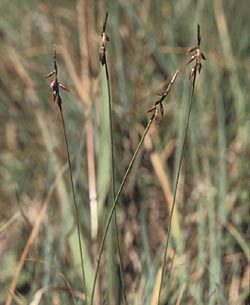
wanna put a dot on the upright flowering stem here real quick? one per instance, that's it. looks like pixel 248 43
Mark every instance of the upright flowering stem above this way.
pixel 103 61
pixel 55 85
pixel 197 57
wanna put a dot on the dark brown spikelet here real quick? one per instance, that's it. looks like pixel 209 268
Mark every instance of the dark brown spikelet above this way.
pixel 198 56
pixel 102 56
pixel 105 40
pixel 54 84
pixel 159 103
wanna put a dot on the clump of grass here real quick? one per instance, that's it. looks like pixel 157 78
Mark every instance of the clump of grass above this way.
pixel 212 188
pixel 55 86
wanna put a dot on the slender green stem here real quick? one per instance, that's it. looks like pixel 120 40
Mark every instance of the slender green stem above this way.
pixel 113 182
pixel 115 203
pixel 176 187
pixel 75 207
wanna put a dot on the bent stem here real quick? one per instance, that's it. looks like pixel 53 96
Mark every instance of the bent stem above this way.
pixel 115 203
pixel 75 207
pixel 113 183
pixel 176 186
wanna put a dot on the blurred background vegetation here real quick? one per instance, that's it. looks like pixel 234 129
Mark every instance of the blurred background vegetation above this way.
pixel 208 257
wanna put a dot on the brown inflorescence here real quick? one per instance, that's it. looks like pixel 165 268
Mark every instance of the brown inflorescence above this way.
pixel 163 94
pixel 105 40
pixel 54 84
pixel 197 56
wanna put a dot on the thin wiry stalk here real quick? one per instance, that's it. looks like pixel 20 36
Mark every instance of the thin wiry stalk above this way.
pixel 115 203
pixel 175 192
pixel 103 60
pixel 75 208
pixel 113 184
pixel 55 85
pixel 197 57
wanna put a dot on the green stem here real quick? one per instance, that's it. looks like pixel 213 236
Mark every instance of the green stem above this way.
pixel 115 203
pixel 75 207
pixel 176 187
pixel 113 182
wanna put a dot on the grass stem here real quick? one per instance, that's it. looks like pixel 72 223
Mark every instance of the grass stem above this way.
pixel 115 203
pixel 75 207
pixel 176 187
pixel 113 181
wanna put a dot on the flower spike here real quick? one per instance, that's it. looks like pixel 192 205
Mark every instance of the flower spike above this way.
pixel 198 57
pixel 54 84
pixel 105 40
pixel 163 94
